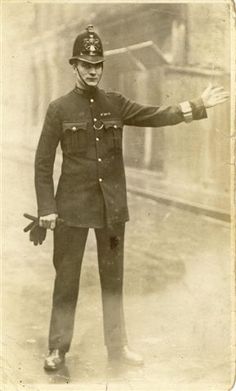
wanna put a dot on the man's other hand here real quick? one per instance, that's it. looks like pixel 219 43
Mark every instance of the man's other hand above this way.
pixel 49 221
pixel 213 96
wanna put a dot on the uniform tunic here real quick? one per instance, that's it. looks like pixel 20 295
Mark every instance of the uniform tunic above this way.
pixel 89 128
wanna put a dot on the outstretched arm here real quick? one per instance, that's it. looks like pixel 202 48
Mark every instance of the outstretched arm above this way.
pixel 136 114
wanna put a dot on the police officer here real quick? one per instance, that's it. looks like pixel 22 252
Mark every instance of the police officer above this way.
pixel 88 123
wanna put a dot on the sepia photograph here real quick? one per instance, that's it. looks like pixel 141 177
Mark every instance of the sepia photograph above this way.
pixel 118 195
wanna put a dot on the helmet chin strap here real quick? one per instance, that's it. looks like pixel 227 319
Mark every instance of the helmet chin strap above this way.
pixel 87 86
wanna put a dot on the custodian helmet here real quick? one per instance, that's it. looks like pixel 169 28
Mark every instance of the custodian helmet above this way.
pixel 87 47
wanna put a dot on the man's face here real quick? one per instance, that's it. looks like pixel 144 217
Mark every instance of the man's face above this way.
pixel 89 73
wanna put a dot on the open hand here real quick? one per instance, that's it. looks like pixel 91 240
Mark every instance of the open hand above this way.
pixel 213 96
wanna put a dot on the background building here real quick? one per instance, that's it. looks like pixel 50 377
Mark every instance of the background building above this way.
pixel 169 53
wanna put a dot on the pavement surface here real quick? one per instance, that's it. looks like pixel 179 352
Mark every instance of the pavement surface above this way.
pixel 178 300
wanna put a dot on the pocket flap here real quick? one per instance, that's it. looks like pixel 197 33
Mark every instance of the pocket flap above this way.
pixel 74 126
pixel 116 124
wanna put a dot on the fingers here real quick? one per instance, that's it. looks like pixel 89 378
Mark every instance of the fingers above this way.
pixel 30 217
pixel 29 226
pixel 216 100
pixel 221 96
pixel 47 224
pixel 37 235
pixel 53 225
pixel 221 100
pixel 224 95
pixel 44 223
pixel 219 92
pixel 217 95
pixel 214 88
pixel 33 238
pixel 218 88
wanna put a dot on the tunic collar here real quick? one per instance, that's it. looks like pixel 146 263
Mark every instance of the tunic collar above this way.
pixel 87 93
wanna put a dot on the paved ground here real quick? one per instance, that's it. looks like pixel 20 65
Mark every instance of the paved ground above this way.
pixel 177 301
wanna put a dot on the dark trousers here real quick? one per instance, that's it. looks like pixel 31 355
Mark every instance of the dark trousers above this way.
pixel 69 245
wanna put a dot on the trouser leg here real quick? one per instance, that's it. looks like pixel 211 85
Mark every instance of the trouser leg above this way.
pixel 110 260
pixel 69 245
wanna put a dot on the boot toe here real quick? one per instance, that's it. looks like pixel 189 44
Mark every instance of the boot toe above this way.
pixel 54 360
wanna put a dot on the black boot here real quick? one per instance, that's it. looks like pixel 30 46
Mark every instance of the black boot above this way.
pixel 55 360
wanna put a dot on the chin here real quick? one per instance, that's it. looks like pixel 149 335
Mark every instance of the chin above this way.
pixel 92 83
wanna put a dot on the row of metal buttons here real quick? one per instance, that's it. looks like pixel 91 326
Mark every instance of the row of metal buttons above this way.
pixel 97 139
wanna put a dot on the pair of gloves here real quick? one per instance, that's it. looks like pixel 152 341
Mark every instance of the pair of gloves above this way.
pixel 37 234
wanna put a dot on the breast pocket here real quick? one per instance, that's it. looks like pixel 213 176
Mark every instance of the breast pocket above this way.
pixel 113 134
pixel 75 137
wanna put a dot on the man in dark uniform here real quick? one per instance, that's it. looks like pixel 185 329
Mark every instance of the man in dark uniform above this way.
pixel 88 123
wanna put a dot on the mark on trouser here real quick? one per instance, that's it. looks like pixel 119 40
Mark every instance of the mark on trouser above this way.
pixel 114 241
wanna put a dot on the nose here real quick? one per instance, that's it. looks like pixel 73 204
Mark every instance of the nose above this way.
pixel 92 70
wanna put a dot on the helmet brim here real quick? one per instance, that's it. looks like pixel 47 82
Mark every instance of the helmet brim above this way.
pixel 87 58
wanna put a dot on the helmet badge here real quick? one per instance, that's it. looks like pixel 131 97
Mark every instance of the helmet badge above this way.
pixel 91 44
